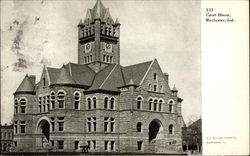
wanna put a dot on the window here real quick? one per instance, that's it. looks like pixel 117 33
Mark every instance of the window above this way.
pixel 89 103
pixel 94 144
pixel 155 76
pixel 139 127
pixel 139 145
pixel 60 144
pixel 90 58
pixel 107 58
pixel 52 143
pixel 15 144
pixel 106 122
pixel 106 102
pixel 15 127
pixel 155 88
pixel 171 129
pixel 94 123
pixel 53 124
pixel 91 124
pixel 109 124
pixel 22 126
pixel 112 145
pixel 104 58
pixel 76 100
pixel 112 102
pixel 60 123
pixel 160 106
pixel 44 103
pixel 48 102
pixel 52 100
pixel 149 87
pixel 111 59
pixel 39 104
pixel 94 102
pixel 155 105
pixel 161 89
pixel 76 144
pixel 171 102
pixel 61 99
pixel 16 106
pixel 44 82
pixel 139 102
pixel 112 124
pixel 106 145
pixel 150 104
pixel 23 105
pixel 85 59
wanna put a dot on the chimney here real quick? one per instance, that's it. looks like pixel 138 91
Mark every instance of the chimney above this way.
pixel 166 77
pixel 33 79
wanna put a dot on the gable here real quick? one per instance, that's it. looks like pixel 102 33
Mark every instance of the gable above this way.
pixel 44 80
pixel 155 77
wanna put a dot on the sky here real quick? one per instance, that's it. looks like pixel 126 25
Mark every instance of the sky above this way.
pixel 38 33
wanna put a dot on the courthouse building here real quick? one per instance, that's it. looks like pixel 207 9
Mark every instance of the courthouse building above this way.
pixel 97 101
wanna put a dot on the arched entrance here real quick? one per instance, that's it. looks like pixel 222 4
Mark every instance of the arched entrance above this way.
pixel 43 132
pixel 154 127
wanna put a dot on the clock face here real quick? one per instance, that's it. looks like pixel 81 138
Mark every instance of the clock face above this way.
pixel 108 47
pixel 87 47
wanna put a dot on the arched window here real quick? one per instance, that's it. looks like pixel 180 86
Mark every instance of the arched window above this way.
pixel 155 104
pixel 112 103
pixel 77 100
pixel 23 105
pixel 61 99
pixel 139 127
pixel 160 105
pixel 171 109
pixel 94 102
pixel 89 103
pixel 16 106
pixel 139 102
pixel 171 129
pixel 150 104
pixel 106 99
pixel 52 100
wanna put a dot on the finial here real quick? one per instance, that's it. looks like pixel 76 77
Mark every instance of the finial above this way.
pixel 80 22
pixel 117 22
pixel 174 89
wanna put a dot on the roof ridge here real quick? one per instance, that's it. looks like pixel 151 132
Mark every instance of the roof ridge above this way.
pixel 137 64
pixel 108 76
pixel 147 72
pixel 124 81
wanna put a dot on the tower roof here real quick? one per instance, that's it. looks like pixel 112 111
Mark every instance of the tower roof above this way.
pixel 99 12
pixel 64 77
pixel 26 86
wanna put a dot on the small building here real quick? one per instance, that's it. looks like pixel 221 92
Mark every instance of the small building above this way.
pixel 192 138
pixel 6 138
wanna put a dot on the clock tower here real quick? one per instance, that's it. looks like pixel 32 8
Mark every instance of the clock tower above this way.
pixel 98 38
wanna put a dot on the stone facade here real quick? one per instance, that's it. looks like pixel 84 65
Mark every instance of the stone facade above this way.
pixel 97 102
